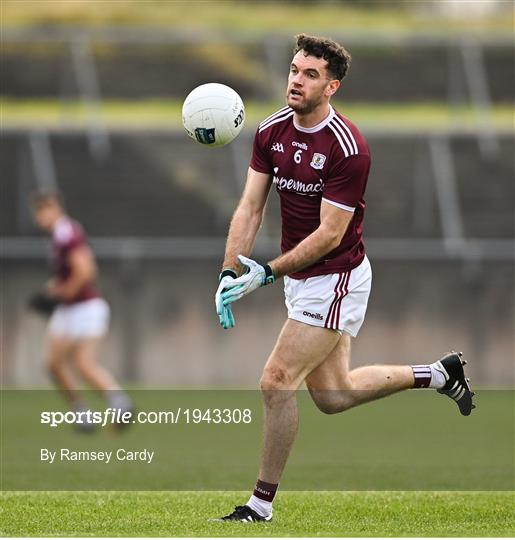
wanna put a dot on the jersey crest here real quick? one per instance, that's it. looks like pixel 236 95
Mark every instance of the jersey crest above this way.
pixel 318 161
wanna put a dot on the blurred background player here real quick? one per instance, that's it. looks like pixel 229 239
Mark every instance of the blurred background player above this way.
pixel 80 317
pixel 319 162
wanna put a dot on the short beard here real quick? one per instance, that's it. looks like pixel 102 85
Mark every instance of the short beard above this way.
pixel 308 107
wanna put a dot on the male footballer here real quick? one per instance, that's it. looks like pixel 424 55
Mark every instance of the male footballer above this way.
pixel 81 316
pixel 318 162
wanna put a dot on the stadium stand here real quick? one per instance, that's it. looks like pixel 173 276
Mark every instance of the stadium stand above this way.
pixel 171 70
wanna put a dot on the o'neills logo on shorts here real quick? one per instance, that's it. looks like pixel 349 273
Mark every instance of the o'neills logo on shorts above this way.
pixel 296 186
pixel 313 315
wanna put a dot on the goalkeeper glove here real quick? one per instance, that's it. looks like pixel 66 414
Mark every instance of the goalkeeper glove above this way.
pixel 255 277
pixel 42 303
pixel 224 313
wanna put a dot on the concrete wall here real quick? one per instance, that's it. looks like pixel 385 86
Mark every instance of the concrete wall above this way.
pixel 165 331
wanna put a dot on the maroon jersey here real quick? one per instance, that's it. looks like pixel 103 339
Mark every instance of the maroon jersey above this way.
pixel 327 162
pixel 67 236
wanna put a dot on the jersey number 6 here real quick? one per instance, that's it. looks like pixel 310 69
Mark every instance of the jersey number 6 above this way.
pixel 297 157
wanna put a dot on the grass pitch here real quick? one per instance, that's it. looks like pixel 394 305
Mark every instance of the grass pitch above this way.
pixel 296 514
pixel 371 448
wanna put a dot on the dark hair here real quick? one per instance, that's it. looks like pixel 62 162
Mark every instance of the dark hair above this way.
pixel 42 198
pixel 338 59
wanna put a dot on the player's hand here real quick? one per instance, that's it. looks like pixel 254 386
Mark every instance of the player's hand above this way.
pixel 54 289
pixel 255 277
pixel 42 303
pixel 224 313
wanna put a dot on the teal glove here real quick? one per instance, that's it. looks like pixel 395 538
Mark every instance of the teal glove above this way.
pixel 255 277
pixel 224 313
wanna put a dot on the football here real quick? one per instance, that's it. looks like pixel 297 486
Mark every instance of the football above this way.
pixel 213 114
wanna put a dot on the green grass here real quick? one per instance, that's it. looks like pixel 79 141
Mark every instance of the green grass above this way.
pixel 167 114
pixel 245 16
pixel 368 448
pixel 406 488
pixel 296 514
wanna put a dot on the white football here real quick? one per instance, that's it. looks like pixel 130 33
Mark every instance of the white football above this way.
pixel 213 114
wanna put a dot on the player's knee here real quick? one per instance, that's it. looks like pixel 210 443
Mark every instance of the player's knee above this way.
pixel 334 407
pixel 51 364
pixel 325 401
pixel 83 363
pixel 274 378
pixel 332 401
pixel 54 364
pixel 327 407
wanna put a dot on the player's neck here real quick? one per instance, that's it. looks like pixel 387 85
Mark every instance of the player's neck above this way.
pixel 59 217
pixel 313 118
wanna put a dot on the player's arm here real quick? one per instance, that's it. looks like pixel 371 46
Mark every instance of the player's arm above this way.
pixel 247 218
pixel 328 236
pixel 83 270
pixel 242 234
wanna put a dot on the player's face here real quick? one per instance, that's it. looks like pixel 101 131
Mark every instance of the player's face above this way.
pixel 309 83
pixel 45 215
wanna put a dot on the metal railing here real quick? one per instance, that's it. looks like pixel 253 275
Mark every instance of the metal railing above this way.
pixel 203 248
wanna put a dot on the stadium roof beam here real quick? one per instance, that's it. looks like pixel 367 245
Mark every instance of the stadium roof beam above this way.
pixel 447 194
pixel 43 165
pixel 87 80
pixel 477 82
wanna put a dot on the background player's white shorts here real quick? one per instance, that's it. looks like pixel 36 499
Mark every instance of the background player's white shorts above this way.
pixel 83 320
pixel 334 301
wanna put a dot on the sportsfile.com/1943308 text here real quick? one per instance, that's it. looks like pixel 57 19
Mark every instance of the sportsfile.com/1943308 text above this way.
pixel 118 416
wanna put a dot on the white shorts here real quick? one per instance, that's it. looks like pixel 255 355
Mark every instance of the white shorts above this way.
pixel 334 301
pixel 83 320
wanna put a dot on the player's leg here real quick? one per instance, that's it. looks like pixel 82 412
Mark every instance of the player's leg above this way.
pixel 334 388
pixel 90 324
pixel 299 349
pixel 86 360
pixel 59 348
pixel 58 353
pixel 85 357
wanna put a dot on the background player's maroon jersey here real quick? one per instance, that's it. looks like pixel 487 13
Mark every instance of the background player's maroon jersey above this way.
pixel 67 236
pixel 329 161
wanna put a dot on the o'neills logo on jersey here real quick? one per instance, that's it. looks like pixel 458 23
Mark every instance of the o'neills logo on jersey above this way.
pixel 301 145
pixel 313 315
pixel 296 186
